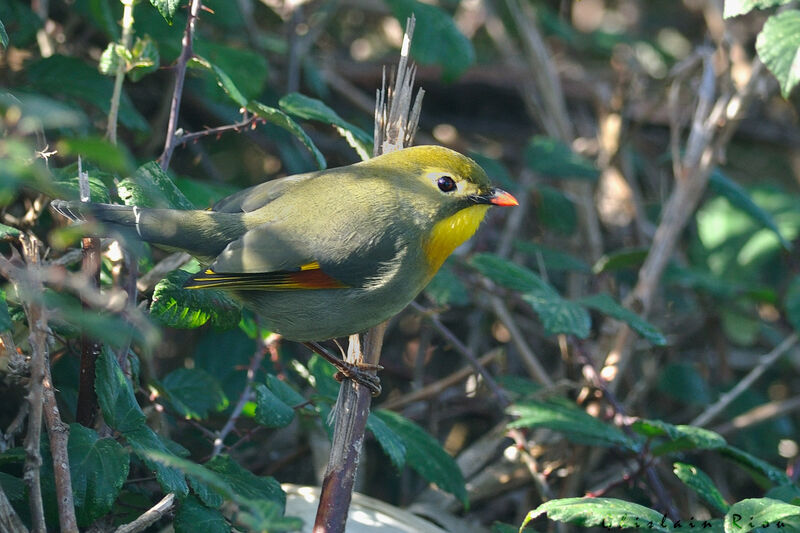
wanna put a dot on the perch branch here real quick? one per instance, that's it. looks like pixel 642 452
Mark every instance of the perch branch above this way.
pixel 150 517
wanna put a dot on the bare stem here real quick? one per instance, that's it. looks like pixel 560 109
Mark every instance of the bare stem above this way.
pixel 127 37
pixel 180 75
pixel 150 517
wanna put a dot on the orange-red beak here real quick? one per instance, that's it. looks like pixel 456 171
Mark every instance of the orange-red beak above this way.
pixel 495 197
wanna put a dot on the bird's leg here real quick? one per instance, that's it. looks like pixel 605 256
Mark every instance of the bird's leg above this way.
pixel 358 372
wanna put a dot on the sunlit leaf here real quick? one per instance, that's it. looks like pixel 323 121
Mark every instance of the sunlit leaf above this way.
pixel 167 8
pixel 606 512
pixel 176 307
pixel 699 482
pixel 194 392
pixel 778 46
pixel 735 8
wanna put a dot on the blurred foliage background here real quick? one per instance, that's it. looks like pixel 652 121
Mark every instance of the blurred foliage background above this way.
pixel 637 311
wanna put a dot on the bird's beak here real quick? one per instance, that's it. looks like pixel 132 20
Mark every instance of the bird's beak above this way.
pixel 495 197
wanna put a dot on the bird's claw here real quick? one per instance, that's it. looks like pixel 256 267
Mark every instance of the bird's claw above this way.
pixel 362 373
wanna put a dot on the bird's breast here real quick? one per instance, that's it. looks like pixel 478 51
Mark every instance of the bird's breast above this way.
pixel 450 233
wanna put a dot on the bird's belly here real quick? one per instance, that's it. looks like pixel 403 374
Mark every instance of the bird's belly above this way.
pixel 314 315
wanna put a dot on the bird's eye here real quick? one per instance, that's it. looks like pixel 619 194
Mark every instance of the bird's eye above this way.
pixel 446 184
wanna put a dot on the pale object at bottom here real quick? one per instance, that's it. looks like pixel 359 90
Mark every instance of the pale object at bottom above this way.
pixel 366 514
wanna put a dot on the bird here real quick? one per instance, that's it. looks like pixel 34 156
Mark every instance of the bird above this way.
pixel 323 254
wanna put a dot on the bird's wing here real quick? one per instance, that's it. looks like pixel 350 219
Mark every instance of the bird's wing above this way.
pixel 258 196
pixel 266 258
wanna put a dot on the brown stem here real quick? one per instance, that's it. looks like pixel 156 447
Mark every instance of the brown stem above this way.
pixel 9 519
pixel 90 348
pixel 180 75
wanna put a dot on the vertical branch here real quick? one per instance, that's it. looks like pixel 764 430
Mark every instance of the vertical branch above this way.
pixel 127 36
pixel 37 324
pixel 180 75
pixel 396 119
pixel 90 348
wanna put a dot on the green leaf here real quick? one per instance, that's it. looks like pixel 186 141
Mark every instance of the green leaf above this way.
pixel 554 159
pixel 3 36
pixel 322 373
pixel 100 151
pixel 740 199
pixel 755 465
pixel 69 77
pixel 282 120
pixel 144 58
pixel 605 304
pixel 437 40
pixel 655 428
pixel 115 394
pixel 284 391
pixel 605 512
pixel 38 112
pixel 312 109
pixel 426 456
pixel 684 383
pixel 792 303
pixel 778 46
pixel 14 487
pixel 620 260
pixel 176 307
pixel 509 274
pixel 110 59
pixel 446 288
pixel 144 441
pixel 150 186
pixel 271 411
pixel 752 513
pixel 699 482
pixel 246 484
pixel 244 69
pixel 575 423
pixel 554 210
pixel 5 319
pixel 391 444
pixel 553 259
pixel 559 315
pixel 223 80
pixel 192 516
pixel 194 392
pixel 98 469
pixel 734 8
pixel 8 232
pixel 685 438
pixel 167 8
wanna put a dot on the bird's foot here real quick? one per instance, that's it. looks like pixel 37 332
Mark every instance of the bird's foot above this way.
pixel 362 373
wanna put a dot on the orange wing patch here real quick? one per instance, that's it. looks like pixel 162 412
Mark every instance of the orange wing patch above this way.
pixel 308 277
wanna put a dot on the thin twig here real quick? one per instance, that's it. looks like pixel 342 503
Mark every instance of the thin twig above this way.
pixel 180 75
pixel 765 361
pixel 150 517
pixel 255 363
pixel 759 414
pixel 9 519
pixel 529 358
pixel 127 36
pixel 246 122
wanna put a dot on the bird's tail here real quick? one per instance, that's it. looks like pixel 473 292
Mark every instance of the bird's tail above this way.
pixel 201 233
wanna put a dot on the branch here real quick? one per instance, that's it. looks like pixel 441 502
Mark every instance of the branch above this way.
pixel 127 34
pixel 150 517
pixel 219 130
pixel 9 519
pixel 180 75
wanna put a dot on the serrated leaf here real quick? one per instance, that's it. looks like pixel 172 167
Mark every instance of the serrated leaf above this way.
pixel 192 516
pixel 437 39
pixel 284 391
pixel 607 305
pixel 194 392
pixel 322 373
pixel 740 199
pixel 205 492
pixel 167 8
pixel 553 159
pixel 553 259
pixel 560 316
pixel 699 482
pixel 312 109
pixel 752 513
pixel 446 288
pixel 778 46
pixel 245 483
pixel 509 274
pixel 176 307
pixel 115 394
pixel 271 411
pixel 14 487
pixel 734 8
pixel 98 469
pixel 5 318
pixel 575 423
pixel 144 441
pixel 389 441
pixel 144 58
pixel 426 456
pixel 150 186
pixel 110 59
pixel 606 512
pixel 282 120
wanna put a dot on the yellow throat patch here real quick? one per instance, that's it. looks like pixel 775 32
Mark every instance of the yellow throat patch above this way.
pixel 450 233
